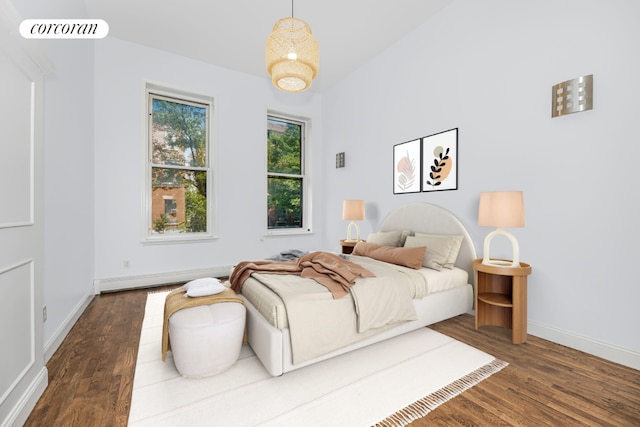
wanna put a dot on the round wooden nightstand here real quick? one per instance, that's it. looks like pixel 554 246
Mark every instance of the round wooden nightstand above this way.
pixel 501 297
pixel 348 245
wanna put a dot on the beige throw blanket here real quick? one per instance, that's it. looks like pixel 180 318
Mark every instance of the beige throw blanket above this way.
pixel 176 301
pixel 331 271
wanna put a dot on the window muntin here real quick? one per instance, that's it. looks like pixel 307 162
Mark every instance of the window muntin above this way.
pixel 287 209
pixel 178 167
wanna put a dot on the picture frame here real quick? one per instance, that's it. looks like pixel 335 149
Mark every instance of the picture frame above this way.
pixel 407 174
pixel 440 161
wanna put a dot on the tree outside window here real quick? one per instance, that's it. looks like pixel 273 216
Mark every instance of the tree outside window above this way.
pixel 178 165
pixel 285 173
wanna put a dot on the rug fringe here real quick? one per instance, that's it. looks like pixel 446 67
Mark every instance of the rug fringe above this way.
pixel 422 407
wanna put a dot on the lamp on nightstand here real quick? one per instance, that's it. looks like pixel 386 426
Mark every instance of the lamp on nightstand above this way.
pixel 501 209
pixel 353 210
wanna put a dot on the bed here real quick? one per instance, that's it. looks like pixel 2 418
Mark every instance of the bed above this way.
pixel 267 328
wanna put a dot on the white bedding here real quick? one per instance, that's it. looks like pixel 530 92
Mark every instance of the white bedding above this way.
pixel 443 300
pixel 269 304
pixel 319 324
pixel 438 281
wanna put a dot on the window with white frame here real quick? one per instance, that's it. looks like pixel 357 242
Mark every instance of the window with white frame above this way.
pixel 288 201
pixel 179 191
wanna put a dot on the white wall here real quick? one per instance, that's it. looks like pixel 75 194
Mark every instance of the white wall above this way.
pixel 488 68
pixel 241 103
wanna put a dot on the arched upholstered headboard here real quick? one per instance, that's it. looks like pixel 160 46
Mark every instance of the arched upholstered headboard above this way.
pixel 433 219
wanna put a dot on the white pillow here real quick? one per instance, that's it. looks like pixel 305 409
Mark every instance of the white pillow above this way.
pixel 203 287
pixel 388 238
pixel 436 254
pixel 455 241
pixel 403 237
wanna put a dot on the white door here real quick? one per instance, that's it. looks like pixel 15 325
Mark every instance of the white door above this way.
pixel 23 375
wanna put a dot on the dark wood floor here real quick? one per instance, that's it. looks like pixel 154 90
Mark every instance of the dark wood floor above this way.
pixel 545 384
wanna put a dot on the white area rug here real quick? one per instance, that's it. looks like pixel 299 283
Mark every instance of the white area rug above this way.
pixel 398 380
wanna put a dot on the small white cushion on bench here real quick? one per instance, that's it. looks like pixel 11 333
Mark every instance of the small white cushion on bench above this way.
pixel 203 287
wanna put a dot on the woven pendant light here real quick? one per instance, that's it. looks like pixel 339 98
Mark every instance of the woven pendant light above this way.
pixel 292 55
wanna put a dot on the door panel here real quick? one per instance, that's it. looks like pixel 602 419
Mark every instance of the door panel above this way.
pixel 17 286
pixel 16 160
pixel 23 375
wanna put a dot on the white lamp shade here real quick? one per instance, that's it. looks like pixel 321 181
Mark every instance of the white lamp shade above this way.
pixel 501 209
pixel 353 210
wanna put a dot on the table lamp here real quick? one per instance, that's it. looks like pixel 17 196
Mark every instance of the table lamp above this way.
pixel 353 210
pixel 501 209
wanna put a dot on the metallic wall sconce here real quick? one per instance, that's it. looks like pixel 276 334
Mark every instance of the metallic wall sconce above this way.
pixel 572 96
pixel 340 160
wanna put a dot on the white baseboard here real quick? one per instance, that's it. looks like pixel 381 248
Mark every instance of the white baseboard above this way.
pixel 60 334
pixel 20 412
pixel 601 349
pixel 147 280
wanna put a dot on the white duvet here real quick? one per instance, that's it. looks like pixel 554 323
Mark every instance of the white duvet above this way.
pixel 319 324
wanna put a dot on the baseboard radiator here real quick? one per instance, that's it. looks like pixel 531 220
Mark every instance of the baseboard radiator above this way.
pixel 115 284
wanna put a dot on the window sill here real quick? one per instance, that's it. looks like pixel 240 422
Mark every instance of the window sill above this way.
pixel 168 239
pixel 287 232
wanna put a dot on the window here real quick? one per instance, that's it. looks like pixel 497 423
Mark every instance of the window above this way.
pixel 287 183
pixel 179 177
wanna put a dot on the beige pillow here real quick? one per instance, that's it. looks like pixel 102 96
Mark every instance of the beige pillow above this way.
pixel 411 257
pixel 437 252
pixel 389 238
pixel 455 241
pixel 385 238
pixel 403 237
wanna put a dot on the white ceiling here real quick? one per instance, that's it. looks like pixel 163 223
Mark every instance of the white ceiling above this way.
pixel 233 33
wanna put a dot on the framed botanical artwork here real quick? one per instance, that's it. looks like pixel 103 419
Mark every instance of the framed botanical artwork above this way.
pixel 440 161
pixel 406 167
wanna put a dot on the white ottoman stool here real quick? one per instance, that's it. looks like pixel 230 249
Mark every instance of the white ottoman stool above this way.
pixel 206 339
